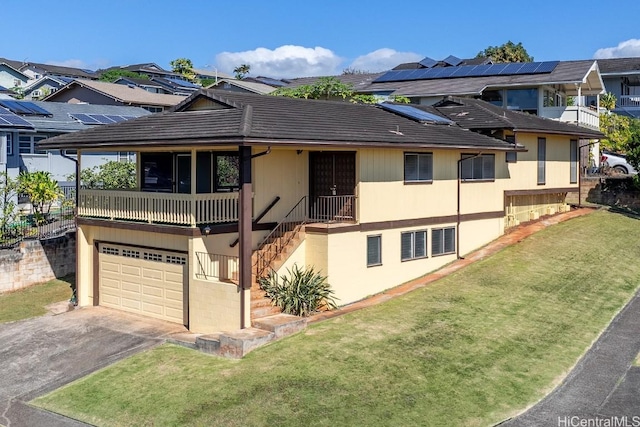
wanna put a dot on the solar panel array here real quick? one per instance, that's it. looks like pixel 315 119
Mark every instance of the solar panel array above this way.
pixel 100 119
pixel 182 83
pixel 414 113
pixel 514 68
pixel 24 108
pixel 7 118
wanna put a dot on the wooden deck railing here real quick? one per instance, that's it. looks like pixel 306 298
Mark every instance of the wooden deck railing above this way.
pixel 216 267
pixel 169 208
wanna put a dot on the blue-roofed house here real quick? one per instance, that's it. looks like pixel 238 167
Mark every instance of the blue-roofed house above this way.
pixel 27 122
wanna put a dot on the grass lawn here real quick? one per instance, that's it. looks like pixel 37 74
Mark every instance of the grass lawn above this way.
pixel 468 350
pixel 31 301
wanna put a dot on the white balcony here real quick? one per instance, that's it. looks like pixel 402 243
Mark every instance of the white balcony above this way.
pixel 578 115
pixel 168 208
pixel 628 101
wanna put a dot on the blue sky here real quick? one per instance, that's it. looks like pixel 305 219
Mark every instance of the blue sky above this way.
pixel 288 38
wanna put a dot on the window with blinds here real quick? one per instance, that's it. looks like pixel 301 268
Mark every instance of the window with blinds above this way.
pixel 374 250
pixel 573 156
pixel 443 241
pixel 418 167
pixel 413 245
pixel 475 167
pixel 542 158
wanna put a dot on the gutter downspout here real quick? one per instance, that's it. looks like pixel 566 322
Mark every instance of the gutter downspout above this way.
pixel 458 210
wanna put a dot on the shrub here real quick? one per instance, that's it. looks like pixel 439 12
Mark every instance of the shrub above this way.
pixel 300 292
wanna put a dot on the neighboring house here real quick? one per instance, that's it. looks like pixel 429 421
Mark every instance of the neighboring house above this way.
pixel 36 71
pixel 545 140
pixel 551 89
pixel 369 195
pixel 44 86
pixel 147 84
pixel 177 86
pixel 621 77
pixel 150 69
pixel 11 77
pixel 243 86
pixel 25 123
pixel 214 75
pixel 103 93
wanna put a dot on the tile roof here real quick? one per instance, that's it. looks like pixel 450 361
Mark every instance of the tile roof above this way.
pixel 242 118
pixel 567 72
pixel 253 87
pixel 619 65
pixel 122 93
pixel 475 114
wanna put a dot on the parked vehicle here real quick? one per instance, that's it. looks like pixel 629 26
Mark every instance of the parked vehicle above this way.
pixel 616 162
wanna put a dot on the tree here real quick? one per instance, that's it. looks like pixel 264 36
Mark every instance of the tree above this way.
pixel 350 71
pixel 241 71
pixel 42 191
pixel 632 147
pixel 608 101
pixel 184 67
pixel 508 52
pixel 113 75
pixel 112 175
pixel 332 88
pixel 616 130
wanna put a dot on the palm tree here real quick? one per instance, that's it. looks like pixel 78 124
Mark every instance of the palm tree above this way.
pixel 241 71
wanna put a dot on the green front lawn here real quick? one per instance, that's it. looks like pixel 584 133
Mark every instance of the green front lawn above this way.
pixel 469 350
pixel 31 301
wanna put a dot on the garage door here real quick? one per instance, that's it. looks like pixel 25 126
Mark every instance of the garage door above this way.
pixel 144 281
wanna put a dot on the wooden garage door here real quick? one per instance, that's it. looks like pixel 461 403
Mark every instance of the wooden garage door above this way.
pixel 144 281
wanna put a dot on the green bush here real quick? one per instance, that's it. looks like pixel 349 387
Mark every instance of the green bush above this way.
pixel 301 292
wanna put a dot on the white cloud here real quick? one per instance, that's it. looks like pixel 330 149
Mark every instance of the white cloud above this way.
pixel 282 62
pixel 627 48
pixel 383 59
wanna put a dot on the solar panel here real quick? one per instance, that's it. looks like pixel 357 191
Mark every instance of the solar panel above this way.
pixel 271 82
pixel 7 118
pixel 414 113
pixel 85 119
pixel 183 83
pixel 452 60
pixel 428 62
pixel 102 119
pixel 23 107
pixel 469 71
pixel 116 119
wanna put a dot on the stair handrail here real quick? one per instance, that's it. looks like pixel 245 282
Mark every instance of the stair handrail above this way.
pixel 265 258
pixel 258 218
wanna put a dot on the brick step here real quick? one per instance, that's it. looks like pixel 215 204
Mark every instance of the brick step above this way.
pixel 259 312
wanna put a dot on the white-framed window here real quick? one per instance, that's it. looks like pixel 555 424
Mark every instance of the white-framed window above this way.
pixel 153 109
pixel 542 157
pixel 413 245
pixel 126 156
pixel 36 93
pixel 9 144
pixel 418 167
pixel 474 167
pixel 27 144
pixel 573 155
pixel 374 250
pixel 443 241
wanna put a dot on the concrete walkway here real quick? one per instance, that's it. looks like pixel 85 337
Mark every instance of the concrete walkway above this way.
pixel 42 354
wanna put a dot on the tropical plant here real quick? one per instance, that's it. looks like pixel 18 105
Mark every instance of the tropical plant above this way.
pixel 8 188
pixel 508 52
pixel 300 291
pixel 115 74
pixel 616 130
pixel 184 67
pixel 608 101
pixel 42 191
pixel 241 71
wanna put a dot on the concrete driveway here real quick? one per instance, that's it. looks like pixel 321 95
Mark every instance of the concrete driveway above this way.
pixel 41 354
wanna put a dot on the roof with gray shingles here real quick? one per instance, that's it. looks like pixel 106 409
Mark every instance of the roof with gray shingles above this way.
pixel 61 121
pixel 359 81
pixel 259 119
pixel 475 114
pixel 619 66
pixel 253 87
pixel 565 72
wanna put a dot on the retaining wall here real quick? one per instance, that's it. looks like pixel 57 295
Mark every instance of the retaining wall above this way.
pixel 36 261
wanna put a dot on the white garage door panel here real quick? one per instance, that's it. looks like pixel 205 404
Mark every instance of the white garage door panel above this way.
pixel 151 286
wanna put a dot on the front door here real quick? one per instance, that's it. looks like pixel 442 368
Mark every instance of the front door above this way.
pixel 332 184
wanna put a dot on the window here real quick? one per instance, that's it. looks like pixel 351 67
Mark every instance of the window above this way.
pixel 153 109
pixel 443 241
pixel 217 172
pixel 413 245
pixel 542 155
pixel 27 144
pixel 126 156
pixel 418 167
pixel 478 167
pixel 374 250
pixel 9 145
pixel 573 174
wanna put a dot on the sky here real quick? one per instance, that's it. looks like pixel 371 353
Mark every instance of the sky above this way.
pixel 299 38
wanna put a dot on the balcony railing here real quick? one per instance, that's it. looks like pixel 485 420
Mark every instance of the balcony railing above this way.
pixel 167 208
pixel 628 101
pixel 581 116
pixel 333 209
pixel 216 267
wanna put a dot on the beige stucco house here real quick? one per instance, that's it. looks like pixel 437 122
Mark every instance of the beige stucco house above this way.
pixel 233 185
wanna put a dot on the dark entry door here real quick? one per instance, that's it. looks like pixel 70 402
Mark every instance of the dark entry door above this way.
pixel 332 183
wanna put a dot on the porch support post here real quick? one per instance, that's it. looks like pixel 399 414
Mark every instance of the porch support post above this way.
pixel 192 201
pixel 244 225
